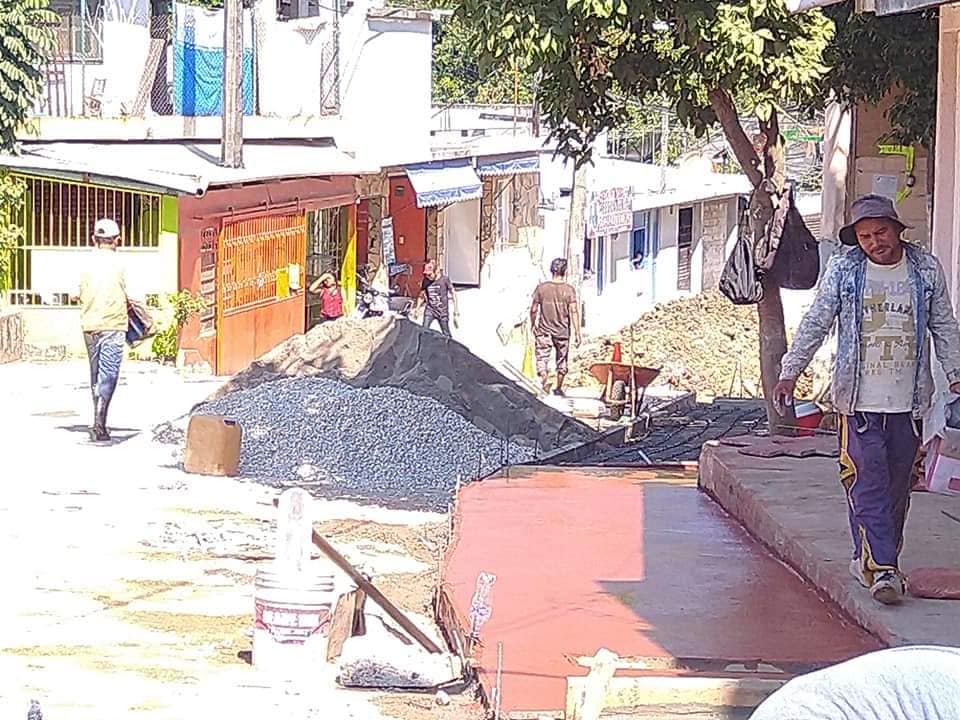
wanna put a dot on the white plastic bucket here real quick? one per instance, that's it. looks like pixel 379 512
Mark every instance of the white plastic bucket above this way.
pixel 292 615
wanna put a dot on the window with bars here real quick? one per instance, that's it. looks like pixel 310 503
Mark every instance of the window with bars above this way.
pixel 60 215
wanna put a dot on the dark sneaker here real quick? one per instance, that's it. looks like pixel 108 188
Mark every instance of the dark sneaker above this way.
pixel 559 393
pixel 887 588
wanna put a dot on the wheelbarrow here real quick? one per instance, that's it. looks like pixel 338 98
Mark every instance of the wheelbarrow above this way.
pixel 615 378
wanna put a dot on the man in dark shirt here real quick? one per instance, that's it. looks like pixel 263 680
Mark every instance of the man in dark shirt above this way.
pixel 554 315
pixel 436 291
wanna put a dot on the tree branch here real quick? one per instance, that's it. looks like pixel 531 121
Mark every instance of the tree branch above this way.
pixel 726 112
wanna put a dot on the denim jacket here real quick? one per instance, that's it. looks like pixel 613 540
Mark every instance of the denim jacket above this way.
pixel 840 298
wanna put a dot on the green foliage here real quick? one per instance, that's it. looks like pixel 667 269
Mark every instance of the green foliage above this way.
pixel 872 56
pixel 457 77
pixel 595 56
pixel 26 39
pixel 184 305
pixel 12 190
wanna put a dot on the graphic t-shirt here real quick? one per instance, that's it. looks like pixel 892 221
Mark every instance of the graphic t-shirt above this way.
pixel 438 295
pixel 888 342
pixel 555 299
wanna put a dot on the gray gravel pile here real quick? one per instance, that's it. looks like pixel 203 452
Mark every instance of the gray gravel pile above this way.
pixel 379 445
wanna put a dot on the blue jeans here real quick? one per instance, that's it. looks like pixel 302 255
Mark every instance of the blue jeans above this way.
pixel 105 351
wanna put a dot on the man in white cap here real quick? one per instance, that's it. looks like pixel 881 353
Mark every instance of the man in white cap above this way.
pixel 103 319
pixel 888 297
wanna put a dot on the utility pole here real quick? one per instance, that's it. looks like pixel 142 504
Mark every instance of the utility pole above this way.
pixel 577 225
pixel 231 149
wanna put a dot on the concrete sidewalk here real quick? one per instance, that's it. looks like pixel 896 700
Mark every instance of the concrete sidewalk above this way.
pixel 797 508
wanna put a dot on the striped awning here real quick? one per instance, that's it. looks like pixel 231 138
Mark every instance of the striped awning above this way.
pixel 508 165
pixel 444 181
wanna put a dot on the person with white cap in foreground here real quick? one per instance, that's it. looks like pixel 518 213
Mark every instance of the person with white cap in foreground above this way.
pixel 887 297
pixel 103 320
pixel 920 682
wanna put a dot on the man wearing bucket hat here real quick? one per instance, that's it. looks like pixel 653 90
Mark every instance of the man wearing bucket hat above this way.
pixel 886 296
pixel 103 320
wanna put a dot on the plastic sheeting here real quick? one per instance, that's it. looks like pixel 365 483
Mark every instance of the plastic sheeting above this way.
pixel 198 62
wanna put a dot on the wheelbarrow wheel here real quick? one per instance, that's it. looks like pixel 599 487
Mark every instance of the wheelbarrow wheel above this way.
pixel 617 399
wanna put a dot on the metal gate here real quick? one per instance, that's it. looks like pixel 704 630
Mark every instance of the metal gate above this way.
pixel 256 262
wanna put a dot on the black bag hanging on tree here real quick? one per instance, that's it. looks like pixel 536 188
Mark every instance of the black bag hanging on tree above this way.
pixel 796 265
pixel 740 280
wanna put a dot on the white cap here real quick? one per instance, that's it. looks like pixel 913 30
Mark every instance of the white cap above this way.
pixel 106 229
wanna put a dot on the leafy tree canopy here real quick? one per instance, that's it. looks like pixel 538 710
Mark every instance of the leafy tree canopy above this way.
pixel 874 56
pixel 707 57
pixel 26 36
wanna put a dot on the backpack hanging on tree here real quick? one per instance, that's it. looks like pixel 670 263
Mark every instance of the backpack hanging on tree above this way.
pixel 740 280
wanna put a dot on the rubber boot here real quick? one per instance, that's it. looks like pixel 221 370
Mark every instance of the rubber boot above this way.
pixel 100 433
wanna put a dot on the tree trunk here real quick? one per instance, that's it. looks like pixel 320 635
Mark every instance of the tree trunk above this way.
pixel 766 171
pixel 773 346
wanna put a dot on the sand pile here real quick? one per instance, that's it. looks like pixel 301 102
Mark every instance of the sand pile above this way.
pixel 704 343
pixel 388 352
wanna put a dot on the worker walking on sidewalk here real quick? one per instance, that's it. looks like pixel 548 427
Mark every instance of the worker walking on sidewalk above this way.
pixel 554 316
pixel 886 296
pixel 103 319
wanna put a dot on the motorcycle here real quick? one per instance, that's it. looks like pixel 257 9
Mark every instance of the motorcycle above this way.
pixel 372 302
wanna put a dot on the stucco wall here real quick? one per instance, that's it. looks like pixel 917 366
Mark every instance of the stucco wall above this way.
pixel 385 86
pixel 870 127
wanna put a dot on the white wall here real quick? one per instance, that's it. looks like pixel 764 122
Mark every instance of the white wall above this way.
pixel 295 71
pixel 385 86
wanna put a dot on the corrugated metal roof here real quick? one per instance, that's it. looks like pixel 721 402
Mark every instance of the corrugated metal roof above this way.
pixel 189 168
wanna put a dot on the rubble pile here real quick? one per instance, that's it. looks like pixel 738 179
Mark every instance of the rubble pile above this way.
pixel 395 353
pixel 703 343
pixel 382 445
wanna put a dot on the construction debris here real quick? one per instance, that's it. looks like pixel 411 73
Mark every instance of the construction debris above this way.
pixel 380 445
pixel 703 343
pixel 388 352
pixel 384 658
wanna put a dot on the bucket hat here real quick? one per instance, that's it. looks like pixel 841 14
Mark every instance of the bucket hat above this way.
pixel 870 207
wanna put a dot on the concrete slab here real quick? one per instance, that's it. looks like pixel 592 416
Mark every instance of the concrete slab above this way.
pixel 797 508
pixel 636 561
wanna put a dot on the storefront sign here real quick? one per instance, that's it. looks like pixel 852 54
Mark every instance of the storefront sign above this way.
pixel 609 212
pixel 386 235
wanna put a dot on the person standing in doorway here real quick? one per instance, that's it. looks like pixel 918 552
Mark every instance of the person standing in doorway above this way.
pixel 103 320
pixel 554 316
pixel 436 292
pixel 887 297
pixel 331 299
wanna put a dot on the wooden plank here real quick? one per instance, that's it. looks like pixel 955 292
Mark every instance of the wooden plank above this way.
pixel 342 623
pixel 685 694
pixel 707 665
pixel 157 48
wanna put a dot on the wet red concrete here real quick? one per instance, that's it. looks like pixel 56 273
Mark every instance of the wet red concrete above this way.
pixel 639 562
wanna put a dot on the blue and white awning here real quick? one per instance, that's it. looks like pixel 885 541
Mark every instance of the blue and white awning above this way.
pixel 444 181
pixel 508 165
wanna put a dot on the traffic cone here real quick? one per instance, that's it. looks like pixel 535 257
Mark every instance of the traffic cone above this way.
pixel 617 353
